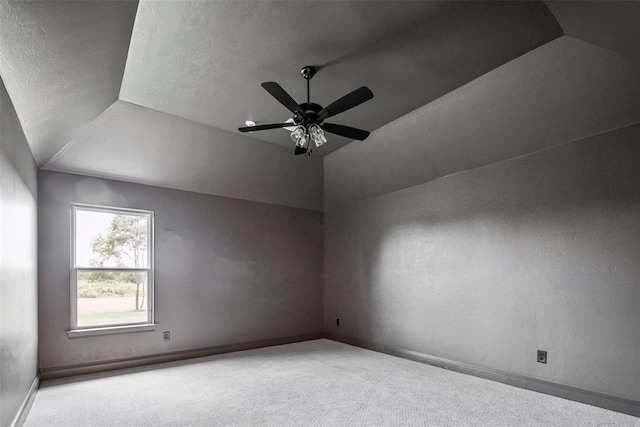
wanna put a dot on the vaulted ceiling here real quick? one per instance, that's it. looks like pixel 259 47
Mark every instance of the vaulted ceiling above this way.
pixel 154 91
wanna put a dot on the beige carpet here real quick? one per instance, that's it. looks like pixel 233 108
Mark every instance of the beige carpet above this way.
pixel 314 383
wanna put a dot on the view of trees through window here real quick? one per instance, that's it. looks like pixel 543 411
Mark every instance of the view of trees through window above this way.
pixel 111 267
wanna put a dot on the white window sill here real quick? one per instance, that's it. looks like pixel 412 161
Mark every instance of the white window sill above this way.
pixel 78 333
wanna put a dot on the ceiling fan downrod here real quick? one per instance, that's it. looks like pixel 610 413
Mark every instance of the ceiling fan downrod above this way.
pixel 308 72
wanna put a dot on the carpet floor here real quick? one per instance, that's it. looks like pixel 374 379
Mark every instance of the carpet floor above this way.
pixel 312 383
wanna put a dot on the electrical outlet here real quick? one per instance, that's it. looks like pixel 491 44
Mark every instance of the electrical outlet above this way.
pixel 542 356
pixel 338 322
pixel 166 336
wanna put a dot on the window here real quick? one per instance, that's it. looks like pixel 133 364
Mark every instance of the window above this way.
pixel 112 267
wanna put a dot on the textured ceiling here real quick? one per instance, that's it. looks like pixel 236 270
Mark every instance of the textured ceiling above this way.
pixel 204 61
pixel 154 92
pixel 150 147
pixel 563 91
pixel 62 63
pixel 614 25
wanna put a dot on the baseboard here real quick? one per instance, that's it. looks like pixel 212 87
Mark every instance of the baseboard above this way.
pixel 21 416
pixel 131 362
pixel 613 403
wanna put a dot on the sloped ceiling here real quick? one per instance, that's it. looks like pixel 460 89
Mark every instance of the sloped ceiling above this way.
pixel 62 63
pixel 563 91
pixel 614 25
pixel 150 147
pixel 204 61
pixel 172 88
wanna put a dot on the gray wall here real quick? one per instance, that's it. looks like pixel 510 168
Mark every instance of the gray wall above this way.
pixel 226 271
pixel 18 263
pixel 486 266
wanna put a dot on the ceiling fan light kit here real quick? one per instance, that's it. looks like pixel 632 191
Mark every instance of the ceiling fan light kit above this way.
pixel 300 137
pixel 317 135
pixel 308 118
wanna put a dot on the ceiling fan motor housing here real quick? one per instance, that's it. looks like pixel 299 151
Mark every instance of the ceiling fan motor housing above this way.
pixel 311 111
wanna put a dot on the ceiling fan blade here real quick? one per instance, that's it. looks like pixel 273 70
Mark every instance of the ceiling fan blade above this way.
pixel 283 97
pixel 345 103
pixel 347 131
pixel 265 127
pixel 300 150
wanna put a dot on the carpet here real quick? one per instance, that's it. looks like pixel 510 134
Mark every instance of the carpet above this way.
pixel 312 383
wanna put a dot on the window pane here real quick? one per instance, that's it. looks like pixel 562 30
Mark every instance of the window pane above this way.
pixel 111 240
pixel 111 297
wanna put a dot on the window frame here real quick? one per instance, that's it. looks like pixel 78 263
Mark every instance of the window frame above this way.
pixel 76 330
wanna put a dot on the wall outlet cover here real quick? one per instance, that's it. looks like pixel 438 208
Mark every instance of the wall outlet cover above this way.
pixel 166 336
pixel 542 356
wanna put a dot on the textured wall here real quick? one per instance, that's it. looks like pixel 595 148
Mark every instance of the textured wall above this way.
pixel 226 270
pixel 18 263
pixel 486 266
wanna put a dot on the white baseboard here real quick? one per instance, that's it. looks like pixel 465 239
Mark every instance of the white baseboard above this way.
pixel 613 403
pixel 21 416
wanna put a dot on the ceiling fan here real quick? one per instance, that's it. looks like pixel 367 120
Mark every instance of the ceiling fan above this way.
pixel 308 118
